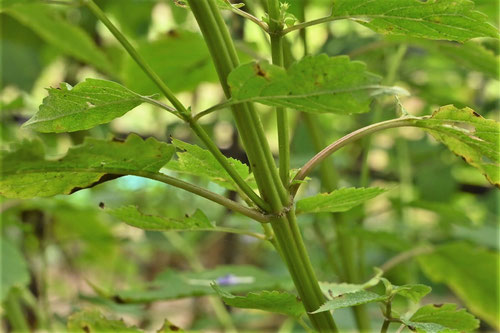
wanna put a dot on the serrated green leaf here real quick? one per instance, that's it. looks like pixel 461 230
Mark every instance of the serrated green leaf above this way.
pixel 92 321
pixel 197 161
pixel 439 318
pixel 171 284
pixel 14 272
pixel 132 216
pixel 415 292
pixel 26 173
pixel 351 299
pixel 433 19
pixel 334 290
pixel 337 201
pixel 271 301
pixel 69 38
pixel 468 135
pixel 188 64
pixel 88 104
pixel 471 272
pixel 314 84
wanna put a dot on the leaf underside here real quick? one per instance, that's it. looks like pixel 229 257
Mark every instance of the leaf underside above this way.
pixel 26 173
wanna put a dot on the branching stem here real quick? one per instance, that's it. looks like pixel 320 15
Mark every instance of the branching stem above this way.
pixel 179 107
pixel 349 138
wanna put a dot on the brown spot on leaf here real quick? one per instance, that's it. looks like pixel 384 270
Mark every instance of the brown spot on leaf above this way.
pixel 173 33
pixel 476 114
pixel 101 205
pixel 173 327
pixel 260 72
pixel 118 300
pixel 438 305
pixel 86 329
pixel 104 178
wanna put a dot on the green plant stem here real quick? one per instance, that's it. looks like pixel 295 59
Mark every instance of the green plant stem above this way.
pixel 321 20
pixel 136 56
pixel 228 203
pixel 344 238
pixel 393 65
pixel 14 312
pixel 183 112
pixel 275 28
pixel 387 320
pixel 289 240
pixel 404 256
pixel 349 138
pixel 217 305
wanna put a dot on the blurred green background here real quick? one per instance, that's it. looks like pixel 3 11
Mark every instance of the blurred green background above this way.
pixel 75 256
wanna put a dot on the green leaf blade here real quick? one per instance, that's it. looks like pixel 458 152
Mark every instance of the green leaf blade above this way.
pixel 194 160
pixel 438 318
pixel 470 272
pixel 468 135
pixel 434 19
pixel 337 201
pixel 318 84
pixel 270 301
pixel 51 27
pixel 94 321
pixel 133 217
pixel 26 173
pixel 351 299
pixel 88 104
pixel 188 64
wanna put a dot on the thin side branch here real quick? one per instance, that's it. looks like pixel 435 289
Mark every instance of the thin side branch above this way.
pixel 404 256
pixel 311 23
pixel 349 138
pixel 228 203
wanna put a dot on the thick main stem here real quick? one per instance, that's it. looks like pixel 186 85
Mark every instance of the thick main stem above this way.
pixel 284 224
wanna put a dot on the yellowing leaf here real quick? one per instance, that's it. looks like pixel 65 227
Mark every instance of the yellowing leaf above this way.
pixel 468 135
